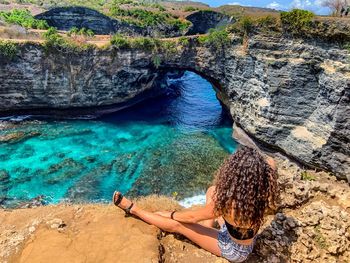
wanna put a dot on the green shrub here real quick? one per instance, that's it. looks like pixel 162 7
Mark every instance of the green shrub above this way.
pixel 160 7
pixel 145 18
pixel 184 41
pixel 23 18
pixel 73 31
pixel 168 46
pixel 53 39
pixel 179 24
pixel 217 38
pixel 8 49
pixel 83 32
pixel 347 46
pixel 122 2
pixel 145 43
pixel 307 176
pixel 297 20
pixel 203 39
pixel 190 9
pixel 247 24
pixel 243 26
pixel 120 42
pixel 157 61
pixel 142 17
pixel 267 22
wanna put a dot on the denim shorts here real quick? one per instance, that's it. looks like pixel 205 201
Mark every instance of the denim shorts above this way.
pixel 230 250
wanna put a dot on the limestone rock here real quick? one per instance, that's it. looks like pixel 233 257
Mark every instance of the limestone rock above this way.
pixel 289 94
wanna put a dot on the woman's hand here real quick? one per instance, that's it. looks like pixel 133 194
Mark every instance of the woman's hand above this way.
pixel 164 214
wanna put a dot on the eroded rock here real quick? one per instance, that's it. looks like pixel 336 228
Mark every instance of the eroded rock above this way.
pixel 287 93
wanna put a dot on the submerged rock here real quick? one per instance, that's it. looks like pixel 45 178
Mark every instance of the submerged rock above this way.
pixel 18 136
pixel 188 163
pixel 4 176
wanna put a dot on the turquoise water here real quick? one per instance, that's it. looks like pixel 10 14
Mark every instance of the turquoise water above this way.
pixel 173 143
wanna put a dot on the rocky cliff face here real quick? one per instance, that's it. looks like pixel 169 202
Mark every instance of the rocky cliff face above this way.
pixel 288 94
pixel 65 18
pixel 204 20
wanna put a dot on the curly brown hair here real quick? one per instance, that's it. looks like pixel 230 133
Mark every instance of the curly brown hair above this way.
pixel 247 185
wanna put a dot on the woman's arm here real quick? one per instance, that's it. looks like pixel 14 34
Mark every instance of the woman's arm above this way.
pixel 192 216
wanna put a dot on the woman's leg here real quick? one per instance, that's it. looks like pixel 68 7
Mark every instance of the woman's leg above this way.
pixel 204 237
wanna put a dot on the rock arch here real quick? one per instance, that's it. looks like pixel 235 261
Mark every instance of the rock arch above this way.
pixel 296 102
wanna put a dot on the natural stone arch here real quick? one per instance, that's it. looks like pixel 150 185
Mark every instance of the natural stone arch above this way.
pixel 283 98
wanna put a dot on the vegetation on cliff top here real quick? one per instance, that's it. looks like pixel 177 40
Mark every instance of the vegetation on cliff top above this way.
pixel 295 23
pixel 297 20
pixel 144 18
pixel 53 40
pixel 8 50
pixel 216 38
pixel 23 18
pixel 74 31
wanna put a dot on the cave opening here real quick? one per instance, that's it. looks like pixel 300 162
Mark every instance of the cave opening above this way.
pixel 168 144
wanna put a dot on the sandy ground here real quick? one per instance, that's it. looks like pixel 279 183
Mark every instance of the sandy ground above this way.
pixel 91 233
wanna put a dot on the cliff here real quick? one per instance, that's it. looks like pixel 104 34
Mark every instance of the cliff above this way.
pixel 312 225
pixel 290 95
pixel 65 18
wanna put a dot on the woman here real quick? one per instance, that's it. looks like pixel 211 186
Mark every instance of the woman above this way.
pixel 245 187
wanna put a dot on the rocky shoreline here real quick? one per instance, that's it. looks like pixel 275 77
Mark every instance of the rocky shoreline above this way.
pixel 312 225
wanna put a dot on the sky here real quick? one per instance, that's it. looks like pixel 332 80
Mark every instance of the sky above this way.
pixel 312 5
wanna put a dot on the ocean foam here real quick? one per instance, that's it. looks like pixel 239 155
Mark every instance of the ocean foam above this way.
pixel 194 200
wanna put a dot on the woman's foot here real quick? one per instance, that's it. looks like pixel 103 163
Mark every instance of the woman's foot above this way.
pixel 122 202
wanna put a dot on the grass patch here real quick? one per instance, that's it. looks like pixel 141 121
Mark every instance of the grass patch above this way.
pixel 54 41
pixel 190 9
pixel 159 48
pixel 8 49
pixel 120 42
pixel 319 239
pixel 268 23
pixel 147 18
pixel 23 18
pixel 141 17
pixel 307 176
pixel 144 43
pixel 184 41
pixel 74 31
pixel 247 24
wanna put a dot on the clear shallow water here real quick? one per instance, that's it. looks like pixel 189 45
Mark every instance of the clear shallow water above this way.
pixel 169 144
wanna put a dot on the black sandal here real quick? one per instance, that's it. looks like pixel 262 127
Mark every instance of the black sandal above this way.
pixel 117 202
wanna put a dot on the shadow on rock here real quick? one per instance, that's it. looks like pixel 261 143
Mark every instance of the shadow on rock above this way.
pixel 275 240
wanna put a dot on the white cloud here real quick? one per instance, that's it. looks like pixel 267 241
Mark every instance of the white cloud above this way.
pixel 312 5
pixel 319 2
pixel 238 3
pixel 274 5
pixel 301 4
